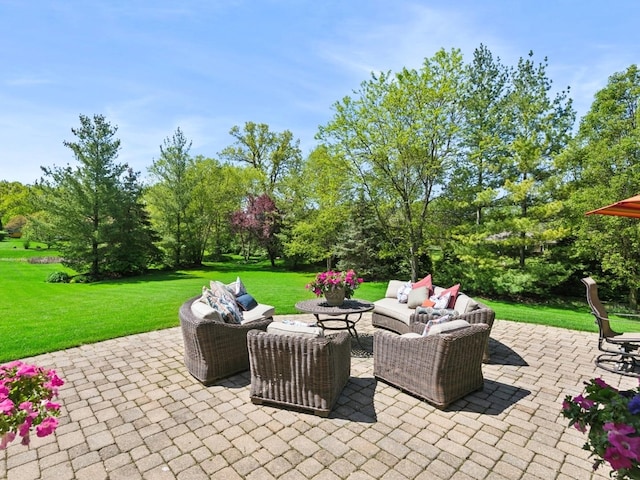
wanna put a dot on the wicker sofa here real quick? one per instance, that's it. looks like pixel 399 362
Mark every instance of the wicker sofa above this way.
pixel 298 372
pixel 214 349
pixel 440 368
pixel 390 314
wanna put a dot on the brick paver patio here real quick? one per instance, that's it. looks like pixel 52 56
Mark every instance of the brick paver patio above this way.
pixel 132 411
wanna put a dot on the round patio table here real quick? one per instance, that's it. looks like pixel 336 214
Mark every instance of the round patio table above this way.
pixel 338 314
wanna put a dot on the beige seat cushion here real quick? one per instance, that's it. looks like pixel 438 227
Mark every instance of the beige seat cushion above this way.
pixel 281 328
pixel 257 313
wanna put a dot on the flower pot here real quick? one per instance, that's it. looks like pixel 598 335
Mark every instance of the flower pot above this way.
pixel 334 298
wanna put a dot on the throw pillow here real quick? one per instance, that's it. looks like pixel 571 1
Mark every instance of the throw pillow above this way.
pixel 403 292
pixel 237 287
pixel 417 296
pixel 428 303
pixel 201 309
pixel 220 290
pixel 425 282
pixel 246 302
pixel 454 295
pixel 392 288
pixel 441 301
pixel 433 322
pixel 224 302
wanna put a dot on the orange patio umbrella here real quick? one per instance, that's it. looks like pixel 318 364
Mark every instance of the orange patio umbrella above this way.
pixel 624 208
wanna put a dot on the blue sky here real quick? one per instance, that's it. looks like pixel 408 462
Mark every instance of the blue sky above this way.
pixel 151 66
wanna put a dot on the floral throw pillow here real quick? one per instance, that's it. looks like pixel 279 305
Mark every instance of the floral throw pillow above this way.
pixel 441 301
pixel 404 291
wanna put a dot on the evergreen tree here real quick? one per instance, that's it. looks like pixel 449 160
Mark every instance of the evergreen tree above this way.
pixel 85 204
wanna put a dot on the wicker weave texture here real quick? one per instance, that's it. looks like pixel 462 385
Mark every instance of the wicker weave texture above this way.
pixel 214 350
pixel 440 368
pixel 299 372
pixel 483 314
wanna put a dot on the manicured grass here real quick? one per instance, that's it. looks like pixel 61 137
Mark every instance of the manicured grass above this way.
pixel 38 317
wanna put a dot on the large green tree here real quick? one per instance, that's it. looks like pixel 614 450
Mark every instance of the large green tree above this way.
pixel 273 155
pixel 399 134
pixel 170 198
pixel 538 128
pixel 90 205
pixel 603 167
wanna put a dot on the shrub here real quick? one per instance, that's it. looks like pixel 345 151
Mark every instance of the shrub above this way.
pixel 83 279
pixel 58 277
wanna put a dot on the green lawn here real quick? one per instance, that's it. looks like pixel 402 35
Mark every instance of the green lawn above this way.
pixel 37 317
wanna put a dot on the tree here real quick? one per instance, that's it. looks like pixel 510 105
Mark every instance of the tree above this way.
pixel 326 187
pixel 14 200
pixel 171 196
pixel 602 168
pixel 538 129
pixel 132 237
pixel 399 135
pixel 273 155
pixel 259 221
pixel 85 204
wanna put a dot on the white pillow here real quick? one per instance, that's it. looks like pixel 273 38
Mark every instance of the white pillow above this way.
pixel 202 310
pixel 404 291
pixel 392 288
pixel 441 302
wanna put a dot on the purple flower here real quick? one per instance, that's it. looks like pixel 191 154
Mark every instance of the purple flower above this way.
pixel 616 459
pixel 584 402
pixel 634 405
pixel 618 428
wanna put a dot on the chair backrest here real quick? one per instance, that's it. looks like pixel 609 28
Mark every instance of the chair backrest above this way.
pixel 598 311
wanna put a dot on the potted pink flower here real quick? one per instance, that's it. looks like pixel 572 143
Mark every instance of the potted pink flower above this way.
pixel 26 394
pixel 611 420
pixel 331 282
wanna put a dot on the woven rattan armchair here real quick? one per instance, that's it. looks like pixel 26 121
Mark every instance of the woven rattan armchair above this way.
pixel 213 349
pixel 298 372
pixel 482 314
pixel 440 368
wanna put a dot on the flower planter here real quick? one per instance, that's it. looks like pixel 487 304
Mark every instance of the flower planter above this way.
pixel 335 297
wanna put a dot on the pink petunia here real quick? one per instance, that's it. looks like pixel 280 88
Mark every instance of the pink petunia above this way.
pixel 616 459
pixel 23 429
pixel 47 426
pixel 6 406
pixel 55 380
pixel 27 371
pixel 601 383
pixel 7 438
pixel 52 406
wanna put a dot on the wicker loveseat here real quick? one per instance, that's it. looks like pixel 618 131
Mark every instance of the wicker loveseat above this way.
pixel 213 349
pixel 298 372
pixel 440 368
pixel 390 314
